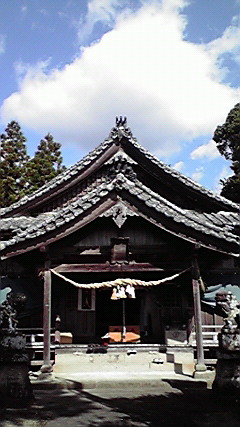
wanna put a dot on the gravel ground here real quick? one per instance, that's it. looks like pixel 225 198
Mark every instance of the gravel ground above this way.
pixel 128 390
pixel 174 403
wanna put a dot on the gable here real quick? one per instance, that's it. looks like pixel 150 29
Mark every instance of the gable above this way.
pixel 117 181
pixel 209 230
pixel 101 241
pixel 119 153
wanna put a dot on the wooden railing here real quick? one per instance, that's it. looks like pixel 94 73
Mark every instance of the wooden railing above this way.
pixel 34 344
pixel 210 335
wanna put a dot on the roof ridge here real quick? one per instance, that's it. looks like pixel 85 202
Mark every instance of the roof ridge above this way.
pixel 174 208
pixel 185 179
pixel 118 132
pixel 69 172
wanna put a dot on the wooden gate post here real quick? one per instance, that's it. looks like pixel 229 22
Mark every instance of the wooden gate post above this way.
pixel 200 365
pixel 47 366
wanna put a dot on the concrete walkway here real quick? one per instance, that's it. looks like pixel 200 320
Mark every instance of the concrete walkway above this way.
pixel 120 389
pixel 170 402
pixel 117 369
pixel 173 403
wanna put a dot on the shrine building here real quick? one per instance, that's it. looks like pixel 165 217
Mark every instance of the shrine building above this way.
pixel 119 225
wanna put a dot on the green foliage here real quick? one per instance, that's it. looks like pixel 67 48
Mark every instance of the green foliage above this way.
pixel 46 163
pixel 21 175
pixel 231 188
pixel 13 158
pixel 227 138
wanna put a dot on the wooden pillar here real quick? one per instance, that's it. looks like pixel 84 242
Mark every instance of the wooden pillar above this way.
pixel 47 366
pixel 124 321
pixel 200 365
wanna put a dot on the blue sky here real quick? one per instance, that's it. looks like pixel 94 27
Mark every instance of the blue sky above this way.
pixel 171 66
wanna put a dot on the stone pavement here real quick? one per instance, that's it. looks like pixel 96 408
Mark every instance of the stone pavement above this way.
pixel 121 391
pixel 116 369
pixel 174 403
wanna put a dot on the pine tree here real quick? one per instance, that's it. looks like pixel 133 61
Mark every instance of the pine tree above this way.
pixel 227 138
pixel 13 158
pixel 46 163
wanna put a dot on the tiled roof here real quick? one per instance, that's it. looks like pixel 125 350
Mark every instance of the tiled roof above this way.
pixel 218 226
pixel 118 134
pixel 65 176
pixel 183 178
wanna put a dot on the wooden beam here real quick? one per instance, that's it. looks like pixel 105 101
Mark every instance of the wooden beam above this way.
pixel 98 268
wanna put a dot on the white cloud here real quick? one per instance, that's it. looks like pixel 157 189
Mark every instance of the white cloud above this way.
pixel 179 166
pixel 208 151
pixel 105 11
pixel 111 11
pixel 24 9
pixel 198 174
pixel 44 12
pixel 2 43
pixel 170 89
pixel 228 42
pixel 22 69
pixel 225 173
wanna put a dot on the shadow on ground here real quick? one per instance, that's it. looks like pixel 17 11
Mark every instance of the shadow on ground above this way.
pixel 180 403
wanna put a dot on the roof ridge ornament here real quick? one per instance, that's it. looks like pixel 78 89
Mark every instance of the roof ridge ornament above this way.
pixel 120 129
pixel 121 121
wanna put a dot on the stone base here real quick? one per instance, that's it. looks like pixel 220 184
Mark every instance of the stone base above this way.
pixel 176 337
pixel 204 375
pixel 46 376
pixel 227 372
pixel 200 367
pixel 182 358
pixel 15 386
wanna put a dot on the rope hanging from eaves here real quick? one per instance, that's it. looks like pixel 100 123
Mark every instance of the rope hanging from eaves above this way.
pixel 118 282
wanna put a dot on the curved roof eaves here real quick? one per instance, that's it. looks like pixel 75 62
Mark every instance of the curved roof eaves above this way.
pixel 25 228
pixel 181 177
pixel 59 179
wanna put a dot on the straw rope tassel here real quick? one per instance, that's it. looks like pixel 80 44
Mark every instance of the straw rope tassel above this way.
pixel 118 282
